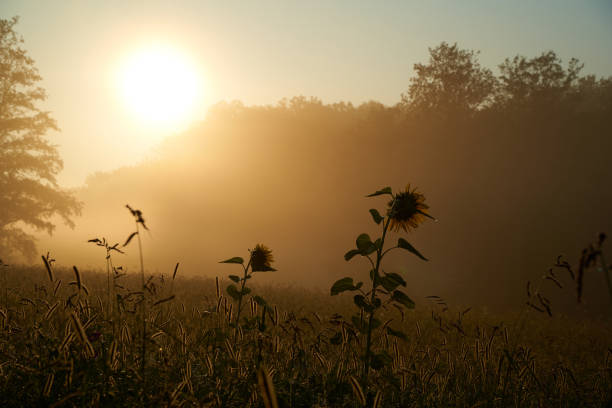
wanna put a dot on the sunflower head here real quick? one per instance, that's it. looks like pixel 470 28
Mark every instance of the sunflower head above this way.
pixel 261 259
pixel 407 210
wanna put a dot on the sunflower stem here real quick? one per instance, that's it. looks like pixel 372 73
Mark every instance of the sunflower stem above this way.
pixel 244 279
pixel 379 256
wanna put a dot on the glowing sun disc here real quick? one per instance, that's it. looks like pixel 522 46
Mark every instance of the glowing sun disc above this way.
pixel 160 86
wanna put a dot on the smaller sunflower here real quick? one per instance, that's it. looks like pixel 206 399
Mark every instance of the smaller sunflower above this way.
pixel 261 259
pixel 407 210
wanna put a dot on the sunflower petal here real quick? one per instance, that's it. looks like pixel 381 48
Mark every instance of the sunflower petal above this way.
pixel 427 215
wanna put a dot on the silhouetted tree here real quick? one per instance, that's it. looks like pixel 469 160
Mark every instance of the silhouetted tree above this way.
pixel 540 82
pixel 452 83
pixel 29 193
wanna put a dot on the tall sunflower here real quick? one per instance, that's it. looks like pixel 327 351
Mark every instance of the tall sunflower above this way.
pixel 261 259
pixel 407 210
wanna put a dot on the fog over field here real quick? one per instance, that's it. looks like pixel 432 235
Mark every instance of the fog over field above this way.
pixel 511 190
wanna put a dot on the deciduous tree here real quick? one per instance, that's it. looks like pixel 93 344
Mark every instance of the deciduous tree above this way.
pixel 540 82
pixel 30 196
pixel 453 82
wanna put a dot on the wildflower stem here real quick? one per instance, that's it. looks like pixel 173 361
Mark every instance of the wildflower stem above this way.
pixel 143 312
pixel 114 309
pixel 108 297
pixel 606 272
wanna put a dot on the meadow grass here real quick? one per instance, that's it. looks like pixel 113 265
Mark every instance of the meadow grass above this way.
pixel 60 347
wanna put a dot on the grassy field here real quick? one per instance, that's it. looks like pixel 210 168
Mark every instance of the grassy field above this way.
pixel 71 338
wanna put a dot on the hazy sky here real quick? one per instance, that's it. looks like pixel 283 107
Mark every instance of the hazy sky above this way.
pixel 261 51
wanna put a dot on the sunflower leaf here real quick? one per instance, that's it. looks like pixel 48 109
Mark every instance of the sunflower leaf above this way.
pixel 233 292
pixel 342 285
pixel 396 333
pixel 361 303
pixel 350 254
pixel 380 360
pixel 391 281
pixel 259 300
pixel 402 298
pixel 365 244
pixel 378 243
pixel 377 302
pixel 359 324
pixel 386 190
pixel 235 278
pixel 336 339
pixel 234 260
pixel 376 215
pixel 402 243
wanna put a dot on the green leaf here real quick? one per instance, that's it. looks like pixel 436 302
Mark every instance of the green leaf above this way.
pixel 350 254
pixel 246 291
pixel 376 215
pixel 375 324
pixel 402 243
pixel 336 339
pixel 260 301
pixel 234 260
pixel 397 333
pixel 127 241
pixel 400 297
pixel 386 190
pixel 361 303
pixel 380 360
pixel 391 281
pixel 233 292
pixel 365 244
pixel 377 302
pixel 363 241
pixel 359 325
pixel 378 243
pixel 342 285
pixel 235 278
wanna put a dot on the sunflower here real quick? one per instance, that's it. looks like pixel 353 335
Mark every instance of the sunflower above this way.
pixel 261 258
pixel 407 210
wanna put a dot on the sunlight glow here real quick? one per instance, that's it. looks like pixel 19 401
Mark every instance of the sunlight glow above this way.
pixel 160 86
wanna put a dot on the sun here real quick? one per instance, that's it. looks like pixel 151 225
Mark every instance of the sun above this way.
pixel 160 86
